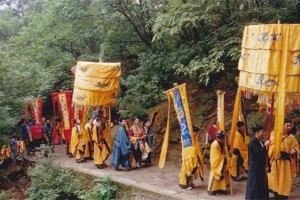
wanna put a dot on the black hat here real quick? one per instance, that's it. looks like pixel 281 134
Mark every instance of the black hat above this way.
pixel 257 128
pixel 240 124
pixel 146 120
pixel 121 119
pixel 287 121
pixel 195 128
pixel 220 134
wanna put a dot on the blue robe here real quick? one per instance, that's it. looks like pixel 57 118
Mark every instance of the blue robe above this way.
pixel 122 148
pixel 149 140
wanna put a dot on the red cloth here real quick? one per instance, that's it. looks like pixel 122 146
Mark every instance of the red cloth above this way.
pixel 212 132
pixel 36 132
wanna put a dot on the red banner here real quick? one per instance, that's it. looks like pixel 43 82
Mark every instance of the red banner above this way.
pixel 36 107
pixel 64 102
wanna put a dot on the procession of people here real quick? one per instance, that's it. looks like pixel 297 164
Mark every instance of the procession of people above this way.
pixel 253 161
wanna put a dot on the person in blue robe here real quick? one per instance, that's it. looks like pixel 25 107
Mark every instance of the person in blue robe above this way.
pixel 122 147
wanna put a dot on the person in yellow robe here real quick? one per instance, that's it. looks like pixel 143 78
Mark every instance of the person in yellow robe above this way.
pixel 77 142
pixel 219 176
pixel 189 181
pixel 102 144
pixel 285 168
pixel 240 153
pixel 89 128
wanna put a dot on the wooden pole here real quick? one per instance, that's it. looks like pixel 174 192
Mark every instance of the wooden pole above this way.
pixel 269 134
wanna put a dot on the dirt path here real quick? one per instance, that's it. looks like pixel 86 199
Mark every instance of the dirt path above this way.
pixel 166 178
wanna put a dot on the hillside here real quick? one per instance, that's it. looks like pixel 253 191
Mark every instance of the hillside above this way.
pixel 203 110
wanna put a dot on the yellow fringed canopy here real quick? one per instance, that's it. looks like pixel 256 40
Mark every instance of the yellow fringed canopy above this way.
pixel 96 83
pixel 270 64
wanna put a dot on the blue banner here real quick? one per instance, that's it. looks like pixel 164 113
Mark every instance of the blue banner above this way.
pixel 184 128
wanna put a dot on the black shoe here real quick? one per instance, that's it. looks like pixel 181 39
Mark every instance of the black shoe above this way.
pixel 237 179
pixel 116 168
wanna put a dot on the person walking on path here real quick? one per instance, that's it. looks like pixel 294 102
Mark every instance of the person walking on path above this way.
pixel 137 137
pixel 122 147
pixel 211 135
pixel 149 139
pixel 219 176
pixel 257 183
pixel 284 169
pixel 25 128
pixel 36 135
pixel 77 142
pixel 102 146
pixel 48 132
pixel 240 153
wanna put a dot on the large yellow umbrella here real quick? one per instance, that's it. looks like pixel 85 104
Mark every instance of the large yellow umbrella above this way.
pixel 270 66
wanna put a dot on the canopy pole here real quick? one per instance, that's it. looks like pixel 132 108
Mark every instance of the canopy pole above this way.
pixel 269 134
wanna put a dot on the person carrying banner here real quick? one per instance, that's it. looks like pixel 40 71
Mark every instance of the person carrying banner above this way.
pixel 122 147
pixel 198 171
pixel 101 138
pixel 77 142
pixel 240 153
pixel 257 183
pixel 285 168
pixel 219 176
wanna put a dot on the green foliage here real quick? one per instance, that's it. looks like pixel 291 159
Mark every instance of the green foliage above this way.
pixel 51 181
pixel 4 140
pixel 4 195
pixel 158 42
pixel 105 189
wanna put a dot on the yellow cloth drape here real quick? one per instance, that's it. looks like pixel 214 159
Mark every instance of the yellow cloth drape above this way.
pixel 96 83
pixel 269 63
pixel 164 148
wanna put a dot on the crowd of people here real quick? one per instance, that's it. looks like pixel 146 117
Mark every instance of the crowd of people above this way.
pixel 252 159
pixel 132 145
pixel 35 133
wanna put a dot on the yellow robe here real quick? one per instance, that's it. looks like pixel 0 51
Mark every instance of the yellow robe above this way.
pixel 239 143
pixel 76 143
pixel 200 166
pixel 200 170
pixel 283 171
pixel 101 150
pixel 217 169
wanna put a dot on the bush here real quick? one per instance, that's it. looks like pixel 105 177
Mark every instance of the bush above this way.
pixel 3 195
pixel 104 190
pixel 51 181
pixel 4 140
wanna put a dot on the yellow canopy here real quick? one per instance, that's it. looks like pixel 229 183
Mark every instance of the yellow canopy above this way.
pixel 96 83
pixel 270 64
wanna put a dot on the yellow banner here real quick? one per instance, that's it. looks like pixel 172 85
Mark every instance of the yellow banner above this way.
pixel 64 109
